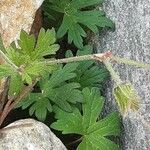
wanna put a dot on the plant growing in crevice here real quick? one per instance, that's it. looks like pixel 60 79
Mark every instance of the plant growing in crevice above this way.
pixel 89 73
pixel 77 16
pixel 62 83
pixel 54 88
pixel 60 89
pixel 29 66
pixel 94 131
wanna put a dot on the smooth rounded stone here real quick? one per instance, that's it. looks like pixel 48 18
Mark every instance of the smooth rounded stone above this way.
pixel 29 134
pixel 131 39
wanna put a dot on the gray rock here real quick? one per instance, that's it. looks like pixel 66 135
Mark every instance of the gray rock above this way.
pixel 131 39
pixel 28 134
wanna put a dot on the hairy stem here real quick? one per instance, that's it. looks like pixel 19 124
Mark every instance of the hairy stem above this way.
pixel 99 57
pixel 113 73
pixel 131 62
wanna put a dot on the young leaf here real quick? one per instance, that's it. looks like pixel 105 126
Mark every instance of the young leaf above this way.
pixel 88 73
pixel 75 18
pixel 45 43
pixel 5 70
pixel 30 50
pixel 33 70
pixel 15 83
pixel 29 55
pixel 26 42
pixel 94 132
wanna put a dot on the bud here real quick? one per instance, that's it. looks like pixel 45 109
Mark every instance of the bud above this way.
pixel 127 98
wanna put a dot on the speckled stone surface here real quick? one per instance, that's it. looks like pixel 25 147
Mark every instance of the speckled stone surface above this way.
pixel 33 135
pixel 131 39
pixel 16 15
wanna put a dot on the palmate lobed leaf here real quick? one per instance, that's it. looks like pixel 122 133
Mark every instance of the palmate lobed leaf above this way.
pixel 30 53
pixel 55 89
pixel 38 104
pixel 59 91
pixel 88 73
pixel 94 131
pixel 29 50
pixel 75 19
pixel 27 55
pixel 26 42
pixel 45 43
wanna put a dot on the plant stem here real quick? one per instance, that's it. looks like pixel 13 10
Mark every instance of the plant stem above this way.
pixel 131 62
pixel 99 57
pixel 78 140
pixel 13 101
pixel 113 73
pixel 8 61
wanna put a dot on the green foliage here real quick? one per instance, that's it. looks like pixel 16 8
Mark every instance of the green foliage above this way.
pixel 62 86
pixel 63 89
pixel 94 131
pixel 54 90
pixel 39 105
pixel 29 58
pixel 77 16
pixel 16 82
pixel 31 51
pixel 89 74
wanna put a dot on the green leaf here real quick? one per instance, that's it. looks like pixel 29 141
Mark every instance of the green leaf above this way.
pixel 26 42
pixel 5 70
pixel 29 55
pixel 94 132
pixel 39 105
pixel 56 89
pixel 71 125
pixel 76 16
pixel 45 42
pixel 16 83
pixel 62 74
pixel 59 91
pixel 88 73
pixel 85 3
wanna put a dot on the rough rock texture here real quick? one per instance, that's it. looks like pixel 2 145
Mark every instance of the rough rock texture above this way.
pixel 130 40
pixel 16 15
pixel 29 134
